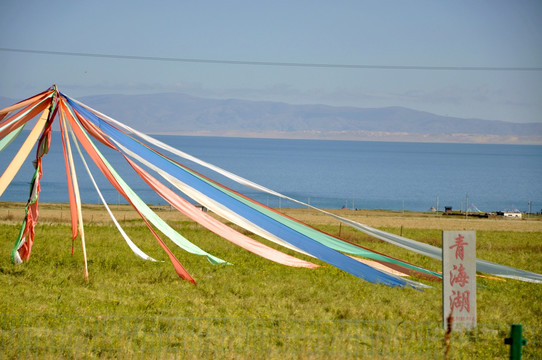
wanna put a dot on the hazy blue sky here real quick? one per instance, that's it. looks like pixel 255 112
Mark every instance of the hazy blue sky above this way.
pixel 417 33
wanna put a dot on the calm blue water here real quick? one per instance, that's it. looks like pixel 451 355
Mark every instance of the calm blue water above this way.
pixel 329 174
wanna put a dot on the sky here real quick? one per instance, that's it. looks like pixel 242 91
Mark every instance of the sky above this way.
pixel 469 59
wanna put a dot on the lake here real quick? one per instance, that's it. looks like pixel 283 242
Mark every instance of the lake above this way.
pixel 327 174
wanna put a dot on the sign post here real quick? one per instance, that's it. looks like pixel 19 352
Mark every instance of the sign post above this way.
pixel 459 278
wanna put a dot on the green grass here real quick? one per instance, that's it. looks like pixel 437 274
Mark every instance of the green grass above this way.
pixel 139 293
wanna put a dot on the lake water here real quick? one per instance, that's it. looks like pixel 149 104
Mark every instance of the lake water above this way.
pixel 328 174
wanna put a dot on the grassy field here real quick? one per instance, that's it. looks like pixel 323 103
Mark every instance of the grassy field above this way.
pixel 135 292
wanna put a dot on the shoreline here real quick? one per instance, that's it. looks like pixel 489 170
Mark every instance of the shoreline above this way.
pixel 13 213
pixel 370 136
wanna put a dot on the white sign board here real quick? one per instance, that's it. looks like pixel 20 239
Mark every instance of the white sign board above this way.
pixel 459 278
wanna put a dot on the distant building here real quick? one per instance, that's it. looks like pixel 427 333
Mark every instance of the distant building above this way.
pixel 509 214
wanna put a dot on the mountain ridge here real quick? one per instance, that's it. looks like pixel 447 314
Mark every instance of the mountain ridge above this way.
pixel 182 114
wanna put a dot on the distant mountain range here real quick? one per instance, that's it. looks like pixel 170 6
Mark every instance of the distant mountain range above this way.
pixel 174 113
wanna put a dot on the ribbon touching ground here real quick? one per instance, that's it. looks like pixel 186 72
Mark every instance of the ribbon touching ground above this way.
pixel 81 126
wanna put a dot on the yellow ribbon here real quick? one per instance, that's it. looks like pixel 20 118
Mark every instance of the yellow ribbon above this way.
pixel 23 152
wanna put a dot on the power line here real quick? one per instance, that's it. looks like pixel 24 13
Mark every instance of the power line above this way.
pixel 274 63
